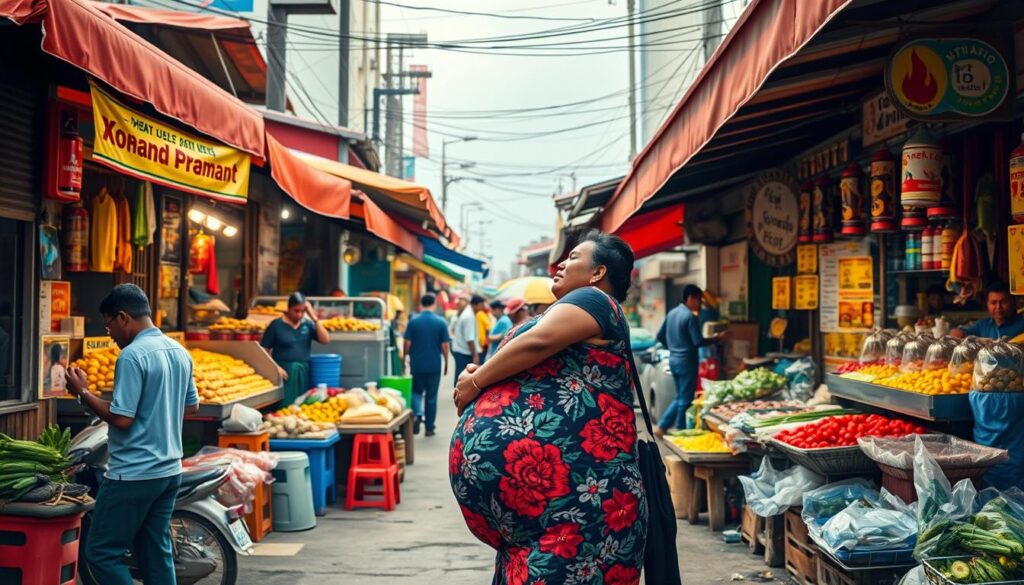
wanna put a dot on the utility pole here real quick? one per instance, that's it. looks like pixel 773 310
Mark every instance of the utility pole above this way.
pixel 344 59
pixel 393 131
pixel 277 38
pixel 632 82
pixel 445 180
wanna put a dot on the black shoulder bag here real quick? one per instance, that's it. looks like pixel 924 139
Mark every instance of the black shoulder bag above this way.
pixel 661 561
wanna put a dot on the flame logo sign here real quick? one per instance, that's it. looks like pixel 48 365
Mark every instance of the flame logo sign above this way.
pixel 918 78
pixel 919 85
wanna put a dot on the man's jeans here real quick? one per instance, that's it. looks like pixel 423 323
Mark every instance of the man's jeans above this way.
pixel 133 515
pixel 685 374
pixel 424 389
pixel 461 361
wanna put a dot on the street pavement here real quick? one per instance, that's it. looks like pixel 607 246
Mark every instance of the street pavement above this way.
pixel 425 542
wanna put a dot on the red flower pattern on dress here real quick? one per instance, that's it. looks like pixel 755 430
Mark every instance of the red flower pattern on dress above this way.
pixel 455 458
pixel 562 540
pixel 605 358
pixel 613 433
pixel 517 571
pixel 535 475
pixel 478 525
pixel 535 401
pixel 621 575
pixel 620 510
pixel 495 399
pixel 546 369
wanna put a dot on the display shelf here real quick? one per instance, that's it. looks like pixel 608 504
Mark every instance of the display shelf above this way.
pixel 218 411
pixel 929 272
pixel 950 407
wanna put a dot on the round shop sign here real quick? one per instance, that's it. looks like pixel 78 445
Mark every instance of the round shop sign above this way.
pixel 948 78
pixel 773 217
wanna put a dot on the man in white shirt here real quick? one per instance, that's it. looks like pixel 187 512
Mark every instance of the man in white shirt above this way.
pixel 465 341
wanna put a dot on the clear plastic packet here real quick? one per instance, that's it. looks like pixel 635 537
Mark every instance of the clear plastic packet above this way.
pixel 825 502
pixel 867 525
pixel 894 348
pixel 769 492
pixel 966 352
pixel 998 368
pixel 915 352
pixel 940 353
pixel 947 451
pixel 873 350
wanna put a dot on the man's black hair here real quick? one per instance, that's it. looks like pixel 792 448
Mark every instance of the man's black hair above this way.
pixel 296 298
pixel 476 300
pixel 997 286
pixel 691 290
pixel 128 298
pixel 428 300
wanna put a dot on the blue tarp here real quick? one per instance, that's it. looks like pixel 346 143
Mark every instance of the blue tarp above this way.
pixel 435 249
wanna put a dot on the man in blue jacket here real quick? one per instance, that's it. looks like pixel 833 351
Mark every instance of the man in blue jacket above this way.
pixel 426 345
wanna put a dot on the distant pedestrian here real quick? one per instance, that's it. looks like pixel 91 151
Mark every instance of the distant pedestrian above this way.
pixel 426 346
pixel 465 338
pixel 484 322
pixel 681 335
pixel 517 311
pixel 502 325
pixel 153 391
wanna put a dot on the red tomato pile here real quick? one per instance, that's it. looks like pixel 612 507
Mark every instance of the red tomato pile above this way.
pixel 843 431
pixel 855 366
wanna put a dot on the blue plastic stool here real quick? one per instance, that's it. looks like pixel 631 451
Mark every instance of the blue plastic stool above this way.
pixel 292 495
pixel 321 466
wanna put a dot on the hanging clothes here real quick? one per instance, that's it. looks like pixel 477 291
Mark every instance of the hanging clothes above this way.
pixel 103 239
pixel 123 260
pixel 144 225
pixel 203 260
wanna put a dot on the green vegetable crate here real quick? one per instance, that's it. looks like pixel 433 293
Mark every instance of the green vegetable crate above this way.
pixel 936 577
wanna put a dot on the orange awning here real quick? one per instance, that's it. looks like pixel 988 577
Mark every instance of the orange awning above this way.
pixel 78 32
pixel 313 189
pixel 380 224
pixel 768 33
pixel 651 232
pixel 390 194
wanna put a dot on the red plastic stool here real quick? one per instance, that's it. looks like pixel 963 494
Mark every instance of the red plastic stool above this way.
pixel 39 551
pixel 376 450
pixel 359 475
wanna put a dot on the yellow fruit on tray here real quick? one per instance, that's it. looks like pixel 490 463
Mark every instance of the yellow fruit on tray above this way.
pixel 221 378
pixel 932 382
pixel 329 411
pixel 349 325
pixel 229 325
pixel 99 368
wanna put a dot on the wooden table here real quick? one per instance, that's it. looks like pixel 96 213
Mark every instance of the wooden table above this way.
pixel 703 476
pixel 401 423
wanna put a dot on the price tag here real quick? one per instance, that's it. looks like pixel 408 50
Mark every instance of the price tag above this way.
pixel 807 259
pixel 806 292
pixel 94 344
pixel 782 298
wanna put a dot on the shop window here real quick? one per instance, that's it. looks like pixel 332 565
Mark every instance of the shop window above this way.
pixel 12 323
pixel 215 262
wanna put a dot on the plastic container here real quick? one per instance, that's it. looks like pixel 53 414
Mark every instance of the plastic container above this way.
pixel 325 368
pixel 940 353
pixel 966 352
pixel 873 350
pixel 197 336
pixel 401 383
pixel 894 348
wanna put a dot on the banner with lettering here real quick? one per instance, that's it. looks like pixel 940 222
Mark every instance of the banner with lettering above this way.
pixel 141 146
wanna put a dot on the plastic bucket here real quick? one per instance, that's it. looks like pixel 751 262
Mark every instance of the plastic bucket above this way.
pixel 325 368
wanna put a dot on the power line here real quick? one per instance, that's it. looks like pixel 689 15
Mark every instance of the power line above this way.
pixel 487 14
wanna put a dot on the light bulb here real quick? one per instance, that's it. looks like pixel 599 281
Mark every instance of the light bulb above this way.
pixel 230 231
pixel 196 215
pixel 285 213
pixel 212 223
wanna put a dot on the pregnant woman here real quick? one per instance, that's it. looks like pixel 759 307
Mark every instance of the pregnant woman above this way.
pixel 544 460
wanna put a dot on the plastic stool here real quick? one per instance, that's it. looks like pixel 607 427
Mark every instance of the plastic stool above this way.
pixel 359 475
pixel 293 493
pixel 374 449
pixel 321 466
pixel 261 520
pixel 39 551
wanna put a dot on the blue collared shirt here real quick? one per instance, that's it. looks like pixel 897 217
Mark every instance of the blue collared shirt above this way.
pixel 153 384
pixel 988 328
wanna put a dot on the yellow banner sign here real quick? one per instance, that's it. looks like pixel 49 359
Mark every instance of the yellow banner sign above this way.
pixel 151 150
pixel 807 259
pixel 1016 247
pixel 806 287
pixel 94 344
pixel 781 293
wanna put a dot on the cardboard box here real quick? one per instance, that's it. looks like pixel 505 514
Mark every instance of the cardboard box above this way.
pixel 73 326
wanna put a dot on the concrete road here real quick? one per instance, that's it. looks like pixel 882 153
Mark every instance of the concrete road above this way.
pixel 425 542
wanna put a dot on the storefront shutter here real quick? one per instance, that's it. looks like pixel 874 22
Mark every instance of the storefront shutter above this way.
pixel 21 155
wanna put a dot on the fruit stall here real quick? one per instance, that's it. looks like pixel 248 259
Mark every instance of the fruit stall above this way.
pixel 359 333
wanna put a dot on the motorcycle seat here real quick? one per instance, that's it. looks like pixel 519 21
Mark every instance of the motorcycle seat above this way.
pixel 193 478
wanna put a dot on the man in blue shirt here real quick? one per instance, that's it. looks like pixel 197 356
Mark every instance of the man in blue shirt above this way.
pixel 1003 319
pixel 681 334
pixel 501 326
pixel 153 391
pixel 426 344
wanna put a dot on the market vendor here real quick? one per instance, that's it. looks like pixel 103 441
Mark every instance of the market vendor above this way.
pixel 289 339
pixel 1003 320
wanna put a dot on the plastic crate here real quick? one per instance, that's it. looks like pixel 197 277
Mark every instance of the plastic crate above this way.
pixel 935 576
pixel 828 461
pixel 874 558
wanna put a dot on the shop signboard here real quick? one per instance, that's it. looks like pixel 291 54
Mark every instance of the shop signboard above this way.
pixel 54 304
pixel 91 345
pixel 53 365
pixel 782 298
pixel 856 293
pixel 773 217
pixel 805 288
pixel 141 146
pixel 880 119
pixel 1016 248
pixel 807 259
pixel 833 293
pixel 951 78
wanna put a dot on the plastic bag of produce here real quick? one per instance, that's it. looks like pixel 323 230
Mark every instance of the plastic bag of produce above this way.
pixel 962 360
pixel 998 368
pixel 870 524
pixel 873 350
pixel 948 451
pixel 770 492
pixel 800 376
pixel 242 419
pixel 914 353
pixel 940 353
pixel 938 504
pixel 826 501
pixel 716 392
pixel 894 348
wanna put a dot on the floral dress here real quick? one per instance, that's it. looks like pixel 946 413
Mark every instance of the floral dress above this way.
pixel 544 464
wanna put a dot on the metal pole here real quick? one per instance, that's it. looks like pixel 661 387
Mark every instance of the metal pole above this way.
pixel 376 114
pixel 632 82
pixel 344 58
pixel 444 177
pixel 277 19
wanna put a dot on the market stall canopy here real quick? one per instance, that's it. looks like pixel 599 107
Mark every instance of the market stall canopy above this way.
pixel 790 73
pixel 535 290
pixel 78 32
pixel 380 224
pixel 434 269
pixel 220 48
pixel 651 232
pixel 391 194
pixel 313 189
pixel 436 249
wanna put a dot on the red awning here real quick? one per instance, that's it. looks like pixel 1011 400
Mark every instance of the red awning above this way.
pixel 768 33
pixel 380 224
pixel 78 32
pixel 313 189
pixel 655 231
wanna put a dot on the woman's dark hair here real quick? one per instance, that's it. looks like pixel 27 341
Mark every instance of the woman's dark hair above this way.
pixel 55 352
pixel 128 298
pixel 296 298
pixel 616 256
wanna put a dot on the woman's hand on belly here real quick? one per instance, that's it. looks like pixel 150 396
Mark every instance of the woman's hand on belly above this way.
pixel 465 390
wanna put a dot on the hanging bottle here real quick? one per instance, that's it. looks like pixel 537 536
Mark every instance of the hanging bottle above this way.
pixel 883 192
pixel 806 233
pixel 851 197
pixel 922 171
pixel 76 238
pixel 946 207
pixel 1017 182
pixel 823 210
pixel 69 159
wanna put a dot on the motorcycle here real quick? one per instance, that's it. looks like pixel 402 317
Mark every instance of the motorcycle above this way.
pixel 206 536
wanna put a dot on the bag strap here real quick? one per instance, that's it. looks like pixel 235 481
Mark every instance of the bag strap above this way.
pixel 631 364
